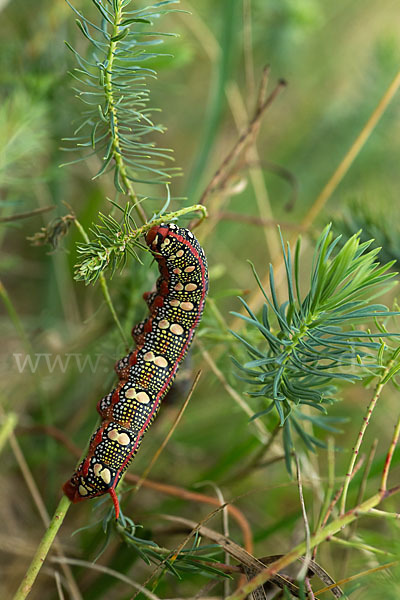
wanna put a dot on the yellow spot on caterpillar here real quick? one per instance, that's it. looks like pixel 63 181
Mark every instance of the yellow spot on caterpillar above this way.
pixel 148 357
pixel 97 468
pixel 106 475
pixel 113 434
pixel 190 287
pixel 180 253
pixel 174 302
pixel 124 439
pixel 189 269
pixel 178 287
pixel 176 329
pixel 163 324
pixel 131 393
pixel 160 362
pixel 82 490
pixel 166 242
pixel 187 306
pixel 143 398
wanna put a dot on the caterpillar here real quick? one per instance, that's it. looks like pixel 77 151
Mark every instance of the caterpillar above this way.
pixel 146 374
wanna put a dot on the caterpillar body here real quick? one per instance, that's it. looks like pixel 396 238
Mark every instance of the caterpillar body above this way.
pixel 146 374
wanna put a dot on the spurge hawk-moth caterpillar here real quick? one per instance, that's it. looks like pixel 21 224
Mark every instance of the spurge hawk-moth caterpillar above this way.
pixel 146 374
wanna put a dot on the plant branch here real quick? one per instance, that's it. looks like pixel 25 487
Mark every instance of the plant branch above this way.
pixel 26 215
pixel 352 153
pixel 360 437
pixel 43 549
pixel 255 302
pixel 179 416
pixel 389 457
pixel 113 241
pixel 9 422
pixel 41 508
pixel 323 534
pixel 245 139
pixel 114 131
pixel 262 431
pixel 358 575
pixel 105 291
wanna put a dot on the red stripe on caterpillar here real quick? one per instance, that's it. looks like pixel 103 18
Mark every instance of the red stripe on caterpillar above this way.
pixel 146 374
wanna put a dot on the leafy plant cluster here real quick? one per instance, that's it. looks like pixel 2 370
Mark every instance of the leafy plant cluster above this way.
pixel 199 558
pixel 117 124
pixel 311 340
pixel 113 241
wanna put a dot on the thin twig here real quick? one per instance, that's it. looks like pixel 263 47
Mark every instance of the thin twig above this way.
pixel 225 529
pixel 367 469
pixel 303 571
pixel 383 514
pixel 352 153
pixel 329 489
pixel 7 427
pixel 105 291
pixel 26 215
pixel 102 569
pixel 243 140
pixel 179 416
pixel 112 107
pixel 59 585
pixel 358 575
pixel 389 456
pixel 317 538
pixel 262 431
pixel 41 508
pixel 256 301
pixel 360 437
pixel 43 549
pixel 309 589
pixel 360 546
pixel 236 551
pixel 337 495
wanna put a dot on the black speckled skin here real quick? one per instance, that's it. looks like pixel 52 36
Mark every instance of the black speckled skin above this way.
pixel 146 374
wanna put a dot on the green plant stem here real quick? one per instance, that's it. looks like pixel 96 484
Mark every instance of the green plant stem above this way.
pixel 360 546
pixel 108 89
pixel 323 534
pixel 383 514
pixel 299 550
pixel 97 259
pixel 104 289
pixel 360 437
pixel 7 428
pixel 389 457
pixel 106 294
pixel 43 549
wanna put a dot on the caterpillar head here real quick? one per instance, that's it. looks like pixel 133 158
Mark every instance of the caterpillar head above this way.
pixel 158 237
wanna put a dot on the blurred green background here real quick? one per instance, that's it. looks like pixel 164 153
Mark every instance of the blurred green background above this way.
pixel 338 59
